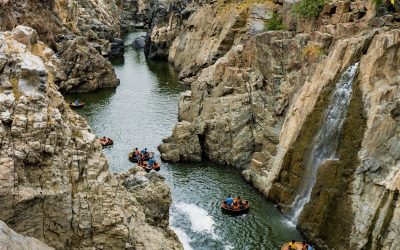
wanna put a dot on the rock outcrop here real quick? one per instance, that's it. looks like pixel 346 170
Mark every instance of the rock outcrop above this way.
pixel 55 183
pixel 194 36
pixel 260 105
pixel 183 145
pixel 82 68
pixel 9 239
pixel 60 22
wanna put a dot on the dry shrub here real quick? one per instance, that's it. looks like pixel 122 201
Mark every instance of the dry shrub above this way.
pixel 312 52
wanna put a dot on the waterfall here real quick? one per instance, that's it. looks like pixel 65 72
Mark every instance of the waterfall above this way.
pixel 326 141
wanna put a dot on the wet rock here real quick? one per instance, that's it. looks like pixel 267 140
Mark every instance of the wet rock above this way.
pixel 117 48
pixel 139 42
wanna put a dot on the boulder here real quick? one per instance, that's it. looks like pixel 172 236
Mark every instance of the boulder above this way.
pixel 82 68
pixel 117 48
pixel 139 42
pixel 183 145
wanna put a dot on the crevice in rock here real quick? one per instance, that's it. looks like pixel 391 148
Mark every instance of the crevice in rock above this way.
pixel 388 217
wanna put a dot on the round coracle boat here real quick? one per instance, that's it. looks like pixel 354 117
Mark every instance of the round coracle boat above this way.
pixel 76 105
pixel 299 246
pixel 156 166
pixel 132 157
pixel 141 157
pixel 240 209
pixel 106 141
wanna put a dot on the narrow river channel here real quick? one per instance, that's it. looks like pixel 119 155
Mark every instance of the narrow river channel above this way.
pixel 142 111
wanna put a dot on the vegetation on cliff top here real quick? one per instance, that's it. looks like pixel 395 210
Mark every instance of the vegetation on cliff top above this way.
pixel 308 8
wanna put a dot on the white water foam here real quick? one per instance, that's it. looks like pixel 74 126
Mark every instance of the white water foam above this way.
pixel 201 221
pixel 183 237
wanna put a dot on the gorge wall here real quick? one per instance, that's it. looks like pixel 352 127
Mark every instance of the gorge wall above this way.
pixel 55 184
pixel 259 97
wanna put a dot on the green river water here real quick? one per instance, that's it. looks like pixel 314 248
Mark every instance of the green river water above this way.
pixel 140 112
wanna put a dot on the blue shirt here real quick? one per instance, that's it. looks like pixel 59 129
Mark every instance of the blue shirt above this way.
pixel 310 248
pixel 229 200
pixel 151 162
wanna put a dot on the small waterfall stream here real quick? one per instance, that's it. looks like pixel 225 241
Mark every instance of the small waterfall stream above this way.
pixel 326 141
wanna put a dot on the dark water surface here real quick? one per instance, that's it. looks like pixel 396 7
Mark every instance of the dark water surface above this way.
pixel 142 111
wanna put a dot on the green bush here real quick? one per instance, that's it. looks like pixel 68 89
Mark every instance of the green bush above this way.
pixel 275 23
pixel 308 8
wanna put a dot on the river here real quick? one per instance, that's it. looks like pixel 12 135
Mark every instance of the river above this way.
pixel 140 112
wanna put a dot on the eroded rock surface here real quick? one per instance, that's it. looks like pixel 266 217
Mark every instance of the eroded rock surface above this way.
pixel 55 183
pixel 9 239
pixel 58 23
pixel 82 68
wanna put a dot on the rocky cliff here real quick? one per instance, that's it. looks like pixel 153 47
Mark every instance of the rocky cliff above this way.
pixel 260 103
pixel 55 183
pixel 62 23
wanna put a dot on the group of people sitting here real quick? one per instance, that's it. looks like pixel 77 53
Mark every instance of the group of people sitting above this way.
pixel 235 203
pixel 304 246
pixel 105 141
pixel 142 155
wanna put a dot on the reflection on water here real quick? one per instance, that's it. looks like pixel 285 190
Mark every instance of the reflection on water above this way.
pixel 142 111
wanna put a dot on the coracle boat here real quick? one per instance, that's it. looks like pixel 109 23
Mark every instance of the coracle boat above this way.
pixel 106 141
pixel 133 159
pixel 76 105
pixel 299 246
pixel 156 166
pixel 231 210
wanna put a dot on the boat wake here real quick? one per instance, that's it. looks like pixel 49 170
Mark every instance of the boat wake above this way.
pixel 200 220
pixel 199 224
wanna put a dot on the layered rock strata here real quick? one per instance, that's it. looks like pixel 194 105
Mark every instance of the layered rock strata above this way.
pixel 55 183
pixel 260 105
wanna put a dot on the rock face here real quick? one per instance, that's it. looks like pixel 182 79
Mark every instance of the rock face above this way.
pixel 261 102
pixel 58 23
pixel 82 68
pixel 183 145
pixel 55 183
pixel 135 14
pixel 194 36
pixel 9 239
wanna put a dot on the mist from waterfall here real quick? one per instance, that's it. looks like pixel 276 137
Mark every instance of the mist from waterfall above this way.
pixel 325 143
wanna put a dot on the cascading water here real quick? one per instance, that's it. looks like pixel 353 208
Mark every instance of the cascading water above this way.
pixel 326 141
